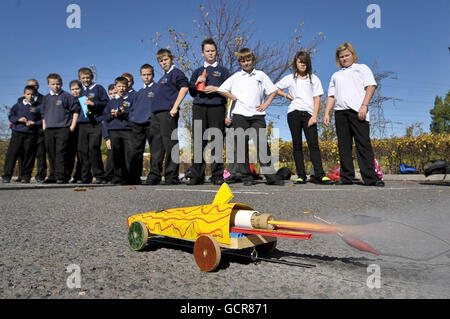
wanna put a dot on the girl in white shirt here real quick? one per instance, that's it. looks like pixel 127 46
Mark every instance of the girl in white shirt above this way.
pixel 351 89
pixel 304 91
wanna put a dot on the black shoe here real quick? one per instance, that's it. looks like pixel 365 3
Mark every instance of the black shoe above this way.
pixel 6 180
pixel 276 182
pixel 74 181
pixel 84 181
pixel 18 180
pixel 99 181
pixel 39 180
pixel 115 181
pixel 195 181
pixel 151 182
pixel 233 179
pixel 50 181
pixel 25 181
pixel 378 183
pixel 217 181
pixel 339 183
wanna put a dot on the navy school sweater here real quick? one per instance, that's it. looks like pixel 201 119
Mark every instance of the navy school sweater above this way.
pixel 214 76
pixel 98 95
pixel 30 112
pixel 168 88
pixel 142 104
pixel 57 110
pixel 121 122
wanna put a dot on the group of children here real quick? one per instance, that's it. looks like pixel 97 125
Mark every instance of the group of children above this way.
pixel 73 125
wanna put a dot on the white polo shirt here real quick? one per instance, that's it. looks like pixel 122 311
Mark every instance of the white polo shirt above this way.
pixel 348 87
pixel 302 90
pixel 249 89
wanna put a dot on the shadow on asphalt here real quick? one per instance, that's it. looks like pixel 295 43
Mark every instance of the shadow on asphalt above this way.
pixel 49 186
pixel 436 183
pixel 244 256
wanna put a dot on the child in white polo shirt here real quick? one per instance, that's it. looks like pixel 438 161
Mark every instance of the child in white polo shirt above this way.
pixel 350 91
pixel 304 91
pixel 248 88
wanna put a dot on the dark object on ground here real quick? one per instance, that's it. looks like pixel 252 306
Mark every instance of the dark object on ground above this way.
pixel 436 167
pixel 284 173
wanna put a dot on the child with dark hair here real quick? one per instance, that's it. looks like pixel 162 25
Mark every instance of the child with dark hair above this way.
pixel 115 118
pixel 208 112
pixel 26 119
pixel 76 87
pixel 90 128
pixel 304 91
pixel 140 118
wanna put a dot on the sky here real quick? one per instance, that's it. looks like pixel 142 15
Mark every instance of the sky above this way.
pixel 413 41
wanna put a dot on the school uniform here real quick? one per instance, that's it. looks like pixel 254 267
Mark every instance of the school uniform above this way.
pixel 41 158
pixel 250 89
pixel 347 86
pixel 90 134
pixel 300 111
pixel 23 139
pixel 109 170
pixel 140 118
pixel 57 111
pixel 163 124
pixel 119 131
pixel 208 111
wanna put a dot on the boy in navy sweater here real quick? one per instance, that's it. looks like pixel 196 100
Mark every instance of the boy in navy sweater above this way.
pixel 41 158
pixel 90 128
pixel 26 119
pixel 109 171
pixel 140 118
pixel 115 117
pixel 60 112
pixel 171 90
pixel 208 112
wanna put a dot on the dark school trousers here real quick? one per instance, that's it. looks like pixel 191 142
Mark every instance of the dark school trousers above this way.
pixel 41 158
pixel 21 145
pixel 349 127
pixel 57 146
pixel 122 150
pixel 298 121
pixel 208 116
pixel 161 128
pixel 89 150
pixel 258 123
pixel 141 134
pixel 73 155
pixel 109 173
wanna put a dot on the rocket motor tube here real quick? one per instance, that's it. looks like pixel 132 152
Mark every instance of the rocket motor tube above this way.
pixel 251 219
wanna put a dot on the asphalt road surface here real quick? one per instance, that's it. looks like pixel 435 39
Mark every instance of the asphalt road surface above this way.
pixel 49 233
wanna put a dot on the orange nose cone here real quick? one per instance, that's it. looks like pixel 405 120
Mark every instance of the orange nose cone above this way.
pixel 360 244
